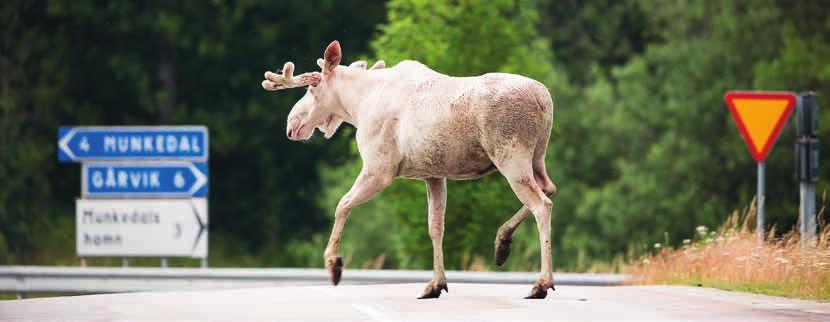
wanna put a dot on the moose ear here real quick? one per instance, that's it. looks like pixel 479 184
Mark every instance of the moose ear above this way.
pixel 332 56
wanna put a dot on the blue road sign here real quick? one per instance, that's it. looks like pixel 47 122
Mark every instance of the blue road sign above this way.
pixel 96 143
pixel 144 179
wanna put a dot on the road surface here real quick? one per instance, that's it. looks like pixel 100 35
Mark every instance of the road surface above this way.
pixel 396 302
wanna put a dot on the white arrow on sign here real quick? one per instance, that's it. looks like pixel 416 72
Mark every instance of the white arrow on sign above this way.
pixel 142 227
pixel 201 179
pixel 63 144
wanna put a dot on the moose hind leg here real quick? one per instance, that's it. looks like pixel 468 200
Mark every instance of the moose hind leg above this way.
pixel 437 200
pixel 504 236
pixel 520 176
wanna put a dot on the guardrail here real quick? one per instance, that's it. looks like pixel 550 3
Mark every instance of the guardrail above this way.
pixel 70 279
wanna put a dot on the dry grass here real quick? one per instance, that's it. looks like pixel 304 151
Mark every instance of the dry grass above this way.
pixel 733 258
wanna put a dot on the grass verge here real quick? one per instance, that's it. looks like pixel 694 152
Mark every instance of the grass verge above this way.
pixel 734 258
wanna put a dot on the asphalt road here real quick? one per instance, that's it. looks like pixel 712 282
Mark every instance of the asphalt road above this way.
pixel 396 302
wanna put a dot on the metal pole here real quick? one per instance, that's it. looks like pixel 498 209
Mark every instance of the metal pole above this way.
pixel 125 262
pixel 164 262
pixel 807 166
pixel 759 200
pixel 808 213
pixel 204 262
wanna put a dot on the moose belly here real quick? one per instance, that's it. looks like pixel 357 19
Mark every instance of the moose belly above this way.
pixel 452 160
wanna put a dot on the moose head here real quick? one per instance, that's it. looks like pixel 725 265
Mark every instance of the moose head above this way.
pixel 320 107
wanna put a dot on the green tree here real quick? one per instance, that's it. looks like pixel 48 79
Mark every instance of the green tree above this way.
pixel 166 62
pixel 643 150
pixel 667 151
pixel 592 37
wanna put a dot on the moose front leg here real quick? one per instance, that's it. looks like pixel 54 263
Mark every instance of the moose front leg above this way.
pixel 366 186
pixel 437 201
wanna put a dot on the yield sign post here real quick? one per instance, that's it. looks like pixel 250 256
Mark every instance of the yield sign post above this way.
pixel 760 116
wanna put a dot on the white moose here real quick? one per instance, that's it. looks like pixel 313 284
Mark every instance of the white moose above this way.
pixel 413 122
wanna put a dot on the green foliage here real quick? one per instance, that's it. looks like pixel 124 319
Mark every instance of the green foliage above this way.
pixel 595 36
pixel 166 62
pixel 642 145
pixel 663 173
pixel 644 149
pixel 683 163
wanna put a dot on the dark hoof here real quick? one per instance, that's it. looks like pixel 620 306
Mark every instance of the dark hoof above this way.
pixel 540 290
pixel 502 250
pixel 335 268
pixel 433 290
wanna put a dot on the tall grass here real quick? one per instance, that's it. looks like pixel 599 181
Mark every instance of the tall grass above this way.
pixel 733 257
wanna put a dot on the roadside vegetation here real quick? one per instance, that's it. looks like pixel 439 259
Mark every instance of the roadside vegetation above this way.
pixel 733 258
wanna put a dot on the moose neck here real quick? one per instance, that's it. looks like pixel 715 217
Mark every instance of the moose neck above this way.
pixel 351 88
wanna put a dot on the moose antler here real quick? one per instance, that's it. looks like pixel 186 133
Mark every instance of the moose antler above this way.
pixel 361 64
pixel 379 65
pixel 274 81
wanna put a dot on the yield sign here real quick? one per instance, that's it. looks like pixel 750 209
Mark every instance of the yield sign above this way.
pixel 760 116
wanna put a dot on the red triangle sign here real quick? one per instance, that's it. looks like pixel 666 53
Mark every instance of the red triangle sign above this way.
pixel 760 116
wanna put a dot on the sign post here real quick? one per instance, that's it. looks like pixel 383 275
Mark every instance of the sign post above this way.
pixel 760 116
pixel 806 165
pixel 760 197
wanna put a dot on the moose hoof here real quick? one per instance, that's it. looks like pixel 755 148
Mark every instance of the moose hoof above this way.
pixel 335 267
pixel 433 289
pixel 540 290
pixel 502 250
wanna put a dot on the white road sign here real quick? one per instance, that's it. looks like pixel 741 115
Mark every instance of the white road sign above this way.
pixel 142 227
